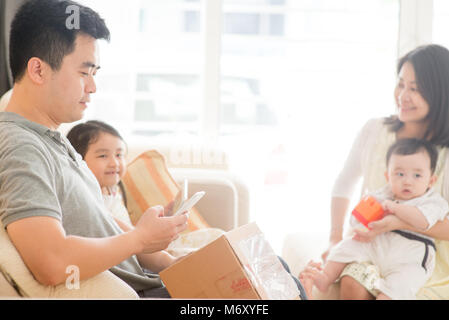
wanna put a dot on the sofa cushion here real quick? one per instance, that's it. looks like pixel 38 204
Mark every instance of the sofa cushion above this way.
pixel 148 183
pixel 12 267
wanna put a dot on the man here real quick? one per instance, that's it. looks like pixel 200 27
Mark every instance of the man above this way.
pixel 50 203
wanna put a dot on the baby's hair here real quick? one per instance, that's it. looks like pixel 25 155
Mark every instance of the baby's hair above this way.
pixel 411 146
pixel 84 134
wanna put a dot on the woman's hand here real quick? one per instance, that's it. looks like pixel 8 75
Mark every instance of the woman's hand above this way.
pixel 388 223
pixel 389 206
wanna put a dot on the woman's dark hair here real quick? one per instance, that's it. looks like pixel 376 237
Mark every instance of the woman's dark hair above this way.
pixel 84 134
pixel 409 146
pixel 431 66
pixel 45 29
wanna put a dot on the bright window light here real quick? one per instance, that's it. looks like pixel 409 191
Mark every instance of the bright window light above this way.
pixel 298 79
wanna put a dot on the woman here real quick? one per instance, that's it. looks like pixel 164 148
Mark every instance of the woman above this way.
pixel 422 99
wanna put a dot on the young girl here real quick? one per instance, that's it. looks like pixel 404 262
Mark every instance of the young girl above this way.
pixel 104 150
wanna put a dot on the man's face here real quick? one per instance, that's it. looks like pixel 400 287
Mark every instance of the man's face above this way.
pixel 70 87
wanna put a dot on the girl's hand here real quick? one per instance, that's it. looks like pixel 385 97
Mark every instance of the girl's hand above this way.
pixel 168 209
pixel 387 223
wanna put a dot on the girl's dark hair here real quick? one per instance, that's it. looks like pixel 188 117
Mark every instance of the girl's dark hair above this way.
pixel 411 146
pixel 84 134
pixel 431 66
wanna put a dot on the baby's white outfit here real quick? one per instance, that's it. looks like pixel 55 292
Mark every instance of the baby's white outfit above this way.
pixel 405 259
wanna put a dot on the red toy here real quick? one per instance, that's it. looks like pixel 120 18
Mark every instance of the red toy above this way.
pixel 368 210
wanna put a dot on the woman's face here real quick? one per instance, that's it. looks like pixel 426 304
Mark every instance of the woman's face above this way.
pixel 410 103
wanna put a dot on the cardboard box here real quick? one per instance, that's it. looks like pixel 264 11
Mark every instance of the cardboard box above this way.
pixel 238 265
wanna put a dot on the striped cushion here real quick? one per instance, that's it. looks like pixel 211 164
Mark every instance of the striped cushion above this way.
pixel 148 183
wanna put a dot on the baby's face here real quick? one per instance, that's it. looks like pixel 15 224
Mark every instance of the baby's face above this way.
pixel 409 176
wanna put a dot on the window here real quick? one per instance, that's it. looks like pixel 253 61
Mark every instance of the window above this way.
pixel 297 80
pixel 149 82
pixel 440 22
pixel 296 95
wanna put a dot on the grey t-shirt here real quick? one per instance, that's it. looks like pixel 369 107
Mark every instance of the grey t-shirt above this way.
pixel 42 175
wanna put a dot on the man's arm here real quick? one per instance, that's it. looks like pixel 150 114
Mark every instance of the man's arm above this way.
pixel 48 251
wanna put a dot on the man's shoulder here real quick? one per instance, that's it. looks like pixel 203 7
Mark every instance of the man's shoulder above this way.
pixel 14 135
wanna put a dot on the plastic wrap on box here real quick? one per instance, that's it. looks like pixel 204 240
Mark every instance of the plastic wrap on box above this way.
pixel 265 270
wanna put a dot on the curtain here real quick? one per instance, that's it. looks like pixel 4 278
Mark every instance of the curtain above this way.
pixel 5 83
pixel 7 10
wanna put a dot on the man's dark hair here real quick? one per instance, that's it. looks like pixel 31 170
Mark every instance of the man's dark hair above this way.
pixel 39 29
pixel 431 66
pixel 405 147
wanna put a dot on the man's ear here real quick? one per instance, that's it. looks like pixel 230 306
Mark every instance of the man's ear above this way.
pixel 37 70
pixel 386 175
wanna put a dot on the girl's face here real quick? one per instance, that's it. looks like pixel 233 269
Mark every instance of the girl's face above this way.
pixel 106 159
pixel 411 105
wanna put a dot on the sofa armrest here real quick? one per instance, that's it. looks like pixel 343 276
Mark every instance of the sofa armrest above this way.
pixel 226 203
pixel 6 289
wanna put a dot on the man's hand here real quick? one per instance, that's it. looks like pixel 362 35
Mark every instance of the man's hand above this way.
pixel 155 231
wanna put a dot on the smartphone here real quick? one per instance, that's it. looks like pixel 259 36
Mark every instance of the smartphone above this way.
pixel 189 203
pixel 181 196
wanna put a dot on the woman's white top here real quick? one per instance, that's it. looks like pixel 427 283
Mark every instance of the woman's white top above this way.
pixel 367 160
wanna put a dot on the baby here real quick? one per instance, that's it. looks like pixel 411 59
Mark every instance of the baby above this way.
pixel 405 259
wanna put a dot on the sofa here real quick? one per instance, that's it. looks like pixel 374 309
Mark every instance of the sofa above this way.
pixel 226 206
